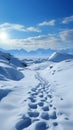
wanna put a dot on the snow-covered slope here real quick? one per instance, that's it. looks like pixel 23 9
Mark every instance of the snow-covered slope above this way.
pixel 41 100
pixel 57 57
pixel 60 78
pixel 11 60
pixel 9 67
pixel 8 72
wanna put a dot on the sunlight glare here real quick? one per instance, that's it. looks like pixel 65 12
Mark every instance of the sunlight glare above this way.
pixel 3 36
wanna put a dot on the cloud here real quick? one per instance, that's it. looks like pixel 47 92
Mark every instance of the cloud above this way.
pixel 67 20
pixel 67 36
pixel 62 40
pixel 58 41
pixel 47 23
pixel 17 27
pixel 33 43
pixel 33 29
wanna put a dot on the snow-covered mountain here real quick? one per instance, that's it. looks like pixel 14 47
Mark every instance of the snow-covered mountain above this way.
pixel 34 53
pixel 41 52
pixel 57 57
pixel 67 51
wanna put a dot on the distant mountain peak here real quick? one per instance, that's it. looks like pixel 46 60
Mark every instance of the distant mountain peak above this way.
pixel 57 57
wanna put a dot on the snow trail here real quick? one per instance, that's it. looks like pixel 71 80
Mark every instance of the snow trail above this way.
pixel 40 100
pixel 41 114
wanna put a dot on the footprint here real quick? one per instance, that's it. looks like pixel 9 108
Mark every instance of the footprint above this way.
pixel 50 96
pixel 46 92
pixel 29 92
pixel 33 114
pixel 41 126
pixel 45 116
pixel 66 118
pixel 40 104
pixel 41 91
pixel 33 89
pixel 55 123
pixel 43 100
pixel 64 114
pixel 53 115
pixel 25 100
pixel 51 105
pixel 32 99
pixel 61 99
pixel 23 123
pixel 33 106
pixel 45 108
pixel 41 95
pixel 54 108
pixel 34 94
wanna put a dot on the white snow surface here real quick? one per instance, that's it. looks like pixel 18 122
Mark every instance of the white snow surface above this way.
pixel 42 99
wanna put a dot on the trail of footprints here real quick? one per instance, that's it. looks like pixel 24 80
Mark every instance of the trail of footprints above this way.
pixel 40 109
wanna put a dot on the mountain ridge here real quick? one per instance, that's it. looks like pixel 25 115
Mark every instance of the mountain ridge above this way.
pixel 58 57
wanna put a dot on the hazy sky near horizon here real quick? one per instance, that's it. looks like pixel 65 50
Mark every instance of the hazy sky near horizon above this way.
pixel 33 24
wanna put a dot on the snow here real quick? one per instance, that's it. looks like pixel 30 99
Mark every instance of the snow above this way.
pixel 10 73
pixel 60 78
pixel 57 57
pixel 10 60
pixel 36 97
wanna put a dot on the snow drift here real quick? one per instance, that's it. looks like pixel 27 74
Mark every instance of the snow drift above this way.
pixel 11 60
pixel 9 67
pixel 10 73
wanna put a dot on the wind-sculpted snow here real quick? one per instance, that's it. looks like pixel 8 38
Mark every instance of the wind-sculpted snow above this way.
pixel 9 67
pixel 3 93
pixel 10 73
pixel 11 60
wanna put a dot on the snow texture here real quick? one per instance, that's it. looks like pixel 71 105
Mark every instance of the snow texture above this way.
pixel 36 97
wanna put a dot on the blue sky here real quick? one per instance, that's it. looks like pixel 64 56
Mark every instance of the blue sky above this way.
pixel 33 24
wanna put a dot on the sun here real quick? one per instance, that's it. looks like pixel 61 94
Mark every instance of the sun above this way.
pixel 3 36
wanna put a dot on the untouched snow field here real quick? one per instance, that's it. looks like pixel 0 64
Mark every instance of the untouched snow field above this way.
pixel 36 97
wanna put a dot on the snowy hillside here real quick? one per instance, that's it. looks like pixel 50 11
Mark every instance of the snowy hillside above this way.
pixel 57 57
pixel 60 78
pixel 9 67
pixel 42 98
pixel 9 59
